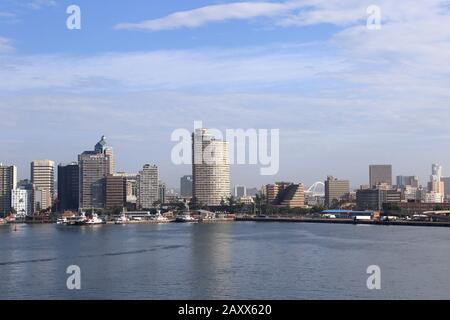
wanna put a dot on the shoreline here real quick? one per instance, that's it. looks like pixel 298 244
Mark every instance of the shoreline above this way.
pixel 348 221
pixel 279 220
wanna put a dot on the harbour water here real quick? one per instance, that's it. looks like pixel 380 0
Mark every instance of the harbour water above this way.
pixel 241 260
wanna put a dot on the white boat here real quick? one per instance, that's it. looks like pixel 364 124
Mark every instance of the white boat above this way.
pixel 94 220
pixel 185 218
pixel 62 220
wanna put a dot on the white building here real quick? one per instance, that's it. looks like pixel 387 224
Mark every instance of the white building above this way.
pixel 433 197
pixel 246 200
pixel 411 193
pixel 21 202
pixel 210 169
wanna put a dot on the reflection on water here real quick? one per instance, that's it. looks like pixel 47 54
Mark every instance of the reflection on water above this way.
pixel 224 261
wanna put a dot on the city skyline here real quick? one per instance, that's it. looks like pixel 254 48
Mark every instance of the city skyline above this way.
pixel 423 181
pixel 316 73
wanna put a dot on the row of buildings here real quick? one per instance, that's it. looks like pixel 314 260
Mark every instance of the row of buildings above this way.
pixel 89 183
pixel 30 195
pixel 93 183
pixel 380 192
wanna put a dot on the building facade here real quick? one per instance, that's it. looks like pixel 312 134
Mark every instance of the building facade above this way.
pixel 186 186
pixel 21 202
pixel 240 191
pixel 147 187
pixel 405 181
pixel 335 190
pixel 271 191
pixel 162 192
pixel 68 187
pixel 380 174
pixel 285 194
pixel 43 180
pixel 446 182
pixel 210 169
pixel 436 186
pixel 94 166
pixel 93 172
pixel 374 199
pixel 103 148
pixel 116 191
pixel 8 183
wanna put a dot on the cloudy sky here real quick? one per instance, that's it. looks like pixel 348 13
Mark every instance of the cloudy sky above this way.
pixel 342 95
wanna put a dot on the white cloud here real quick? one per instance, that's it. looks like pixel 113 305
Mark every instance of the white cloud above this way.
pixel 294 13
pixel 39 4
pixel 214 13
pixel 207 69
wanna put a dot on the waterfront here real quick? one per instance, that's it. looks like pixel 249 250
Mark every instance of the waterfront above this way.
pixel 242 260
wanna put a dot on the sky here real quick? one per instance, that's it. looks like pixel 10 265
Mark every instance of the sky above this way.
pixel 342 95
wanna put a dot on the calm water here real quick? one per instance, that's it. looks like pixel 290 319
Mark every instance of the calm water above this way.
pixel 224 261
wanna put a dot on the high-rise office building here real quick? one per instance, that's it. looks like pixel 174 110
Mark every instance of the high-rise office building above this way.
pixel 210 169
pixel 186 186
pixel 8 182
pixel 94 167
pixel 436 186
pixel 103 148
pixel 68 187
pixel 380 174
pixel 116 191
pixel 43 180
pixel 335 190
pixel 93 171
pixel 436 183
pixel 21 202
pixel 240 191
pixel 147 187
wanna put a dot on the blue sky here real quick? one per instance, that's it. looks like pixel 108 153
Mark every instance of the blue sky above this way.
pixel 343 96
